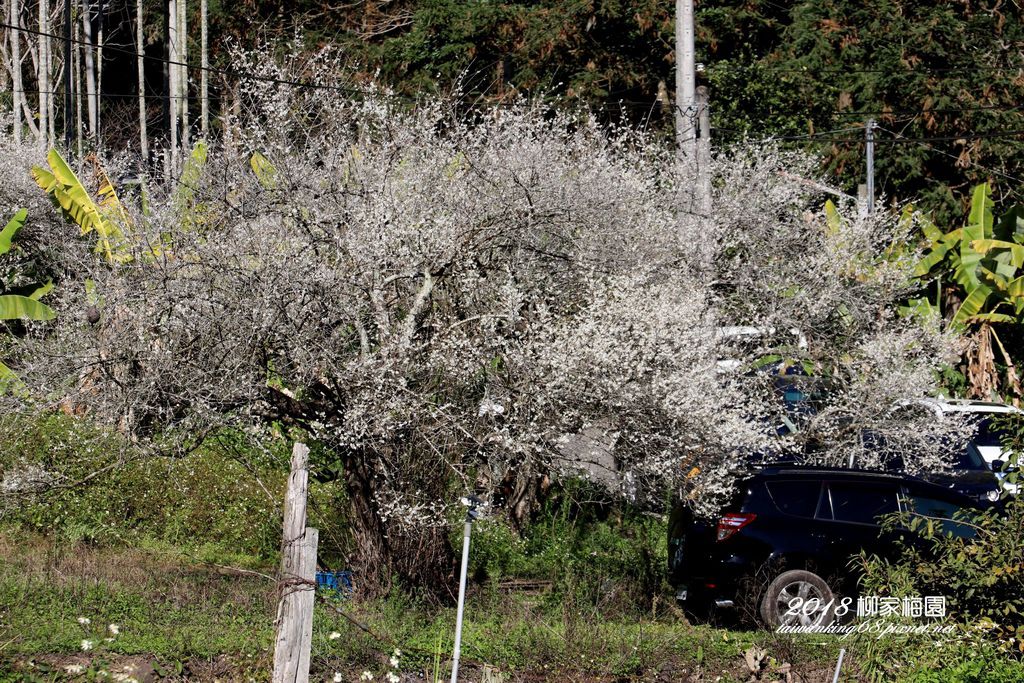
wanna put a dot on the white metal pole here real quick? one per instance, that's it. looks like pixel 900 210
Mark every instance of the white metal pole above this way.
pixel 839 665
pixel 462 598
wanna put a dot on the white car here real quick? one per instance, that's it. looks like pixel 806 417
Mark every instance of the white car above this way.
pixel 989 438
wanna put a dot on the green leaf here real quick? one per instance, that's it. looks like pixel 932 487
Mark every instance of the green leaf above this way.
pixel 973 304
pixel 1015 250
pixel 833 221
pixel 9 381
pixel 40 292
pixel 265 172
pixel 68 192
pixel 16 307
pixel 938 252
pixel 12 227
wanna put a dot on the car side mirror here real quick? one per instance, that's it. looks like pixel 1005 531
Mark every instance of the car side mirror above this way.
pixel 998 465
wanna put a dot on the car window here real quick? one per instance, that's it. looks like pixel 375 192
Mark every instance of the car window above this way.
pixel 798 498
pixel 946 513
pixel 989 435
pixel 861 503
pixel 971 459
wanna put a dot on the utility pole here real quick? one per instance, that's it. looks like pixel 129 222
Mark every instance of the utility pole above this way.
pixel 869 131
pixel 685 83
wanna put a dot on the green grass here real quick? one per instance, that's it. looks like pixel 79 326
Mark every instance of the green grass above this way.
pixel 190 617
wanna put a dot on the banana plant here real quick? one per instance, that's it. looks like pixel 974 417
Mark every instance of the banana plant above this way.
pixel 17 306
pixel 107 218
pixel 982 264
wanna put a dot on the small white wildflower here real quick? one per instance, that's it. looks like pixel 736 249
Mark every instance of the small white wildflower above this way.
pixel 366 676
pixel 334 635
pixel 392 677
pixel 337 677
pixel 74 668
pixel 84 621
pixel 109 639
pixel 86 645
pixel 394 662
pixel 114 629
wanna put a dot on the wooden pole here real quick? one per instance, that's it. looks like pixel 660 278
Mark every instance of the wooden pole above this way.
pixel 297 580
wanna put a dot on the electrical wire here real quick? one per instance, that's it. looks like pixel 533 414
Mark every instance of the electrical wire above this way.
pixel 955 157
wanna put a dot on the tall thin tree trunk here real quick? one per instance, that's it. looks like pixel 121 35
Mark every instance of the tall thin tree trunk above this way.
pixel 90 68
pixel 140 48
pixel 51 100
pixel 77 72
pixel 16 86
pixel 100 37
pixel 43 75
pixel 204 64
pixel 183 69
pixel 172 72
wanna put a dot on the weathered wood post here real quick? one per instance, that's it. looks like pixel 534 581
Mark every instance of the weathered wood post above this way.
pixel 297 580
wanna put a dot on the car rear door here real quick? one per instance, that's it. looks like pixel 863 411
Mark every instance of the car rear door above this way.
pixel 851 513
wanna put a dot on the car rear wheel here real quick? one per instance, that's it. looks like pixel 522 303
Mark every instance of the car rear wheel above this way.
pixel 798 598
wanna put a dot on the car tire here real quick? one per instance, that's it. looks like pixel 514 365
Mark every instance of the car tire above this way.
pixel 776 603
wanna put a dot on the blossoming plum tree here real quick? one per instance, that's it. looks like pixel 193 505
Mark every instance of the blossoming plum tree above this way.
pixel 442 299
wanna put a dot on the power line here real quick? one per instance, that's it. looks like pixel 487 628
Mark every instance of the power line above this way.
pixel 843 71
pixel 210 69
pixel 1002 109
pixel 953 156
pixel 902 139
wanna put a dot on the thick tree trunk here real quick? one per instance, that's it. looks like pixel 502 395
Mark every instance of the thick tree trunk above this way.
pixel 368 531
pixel 419 558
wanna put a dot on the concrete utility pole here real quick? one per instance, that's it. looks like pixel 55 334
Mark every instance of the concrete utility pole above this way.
pixel 686 70
pixel 869 132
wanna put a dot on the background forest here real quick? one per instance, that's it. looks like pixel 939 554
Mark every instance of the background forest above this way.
pixel 942 79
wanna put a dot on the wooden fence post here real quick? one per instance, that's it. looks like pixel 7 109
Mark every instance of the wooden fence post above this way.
pixel 297 581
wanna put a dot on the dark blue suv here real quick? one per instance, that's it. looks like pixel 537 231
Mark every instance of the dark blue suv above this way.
pixel 790 533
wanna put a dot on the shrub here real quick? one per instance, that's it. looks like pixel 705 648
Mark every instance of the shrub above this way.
pixel 982 577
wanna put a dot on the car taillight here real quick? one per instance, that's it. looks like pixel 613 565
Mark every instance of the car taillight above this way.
pixel 733 522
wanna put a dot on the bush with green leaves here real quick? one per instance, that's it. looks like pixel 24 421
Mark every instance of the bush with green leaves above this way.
pixel 981 575
pixel 70 480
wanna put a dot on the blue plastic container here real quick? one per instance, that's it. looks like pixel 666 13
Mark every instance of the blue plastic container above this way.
pixel 339 583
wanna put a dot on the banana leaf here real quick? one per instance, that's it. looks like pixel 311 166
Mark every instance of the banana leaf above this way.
pixel 12 227
pixel 17 307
